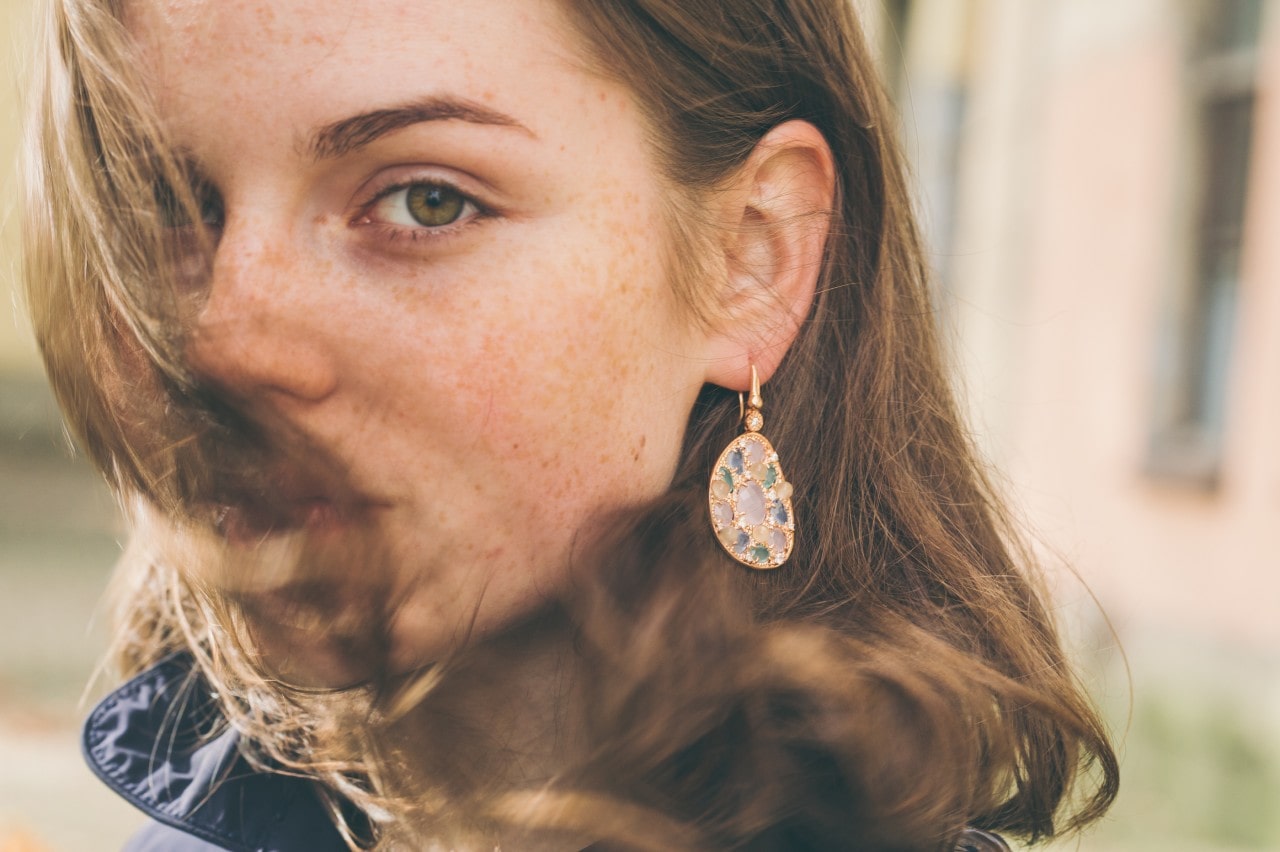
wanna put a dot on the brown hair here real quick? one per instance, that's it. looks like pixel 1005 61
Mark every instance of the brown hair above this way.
pixel 899 679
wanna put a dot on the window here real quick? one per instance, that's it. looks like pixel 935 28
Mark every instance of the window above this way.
pixel 1195 352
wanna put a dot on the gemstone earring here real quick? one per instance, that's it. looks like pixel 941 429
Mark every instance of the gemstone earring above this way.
pixel 750 500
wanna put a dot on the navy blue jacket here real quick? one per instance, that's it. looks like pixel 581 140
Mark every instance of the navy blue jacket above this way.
pixel 150 742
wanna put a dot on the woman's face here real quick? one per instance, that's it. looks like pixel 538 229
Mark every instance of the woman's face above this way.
pixel 442 260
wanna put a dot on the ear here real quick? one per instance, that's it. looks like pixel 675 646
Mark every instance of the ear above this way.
pixel 776 214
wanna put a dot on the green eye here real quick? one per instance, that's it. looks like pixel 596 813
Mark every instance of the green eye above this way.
pixel 434 206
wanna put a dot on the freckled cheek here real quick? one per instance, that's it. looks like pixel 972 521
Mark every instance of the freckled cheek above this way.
pixel 564 400
pixel 541 357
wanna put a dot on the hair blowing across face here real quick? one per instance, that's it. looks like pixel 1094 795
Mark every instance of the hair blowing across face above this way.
pixel 898 679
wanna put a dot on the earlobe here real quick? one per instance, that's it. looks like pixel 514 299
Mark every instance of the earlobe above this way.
pixel 777 214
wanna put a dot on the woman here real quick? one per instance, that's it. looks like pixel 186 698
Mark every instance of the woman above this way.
pixel 415 338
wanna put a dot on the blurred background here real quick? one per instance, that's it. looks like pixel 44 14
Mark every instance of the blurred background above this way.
pixel 1100 185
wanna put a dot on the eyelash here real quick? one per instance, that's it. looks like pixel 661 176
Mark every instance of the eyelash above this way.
pixel 474 213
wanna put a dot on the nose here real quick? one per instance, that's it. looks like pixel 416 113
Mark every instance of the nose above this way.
pixel 261 332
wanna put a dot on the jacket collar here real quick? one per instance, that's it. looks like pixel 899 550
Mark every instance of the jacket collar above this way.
pixel 161 743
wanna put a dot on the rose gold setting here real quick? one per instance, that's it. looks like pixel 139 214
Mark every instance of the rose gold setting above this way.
pixel 749 498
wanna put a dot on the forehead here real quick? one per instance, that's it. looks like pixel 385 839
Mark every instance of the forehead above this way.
pixel 288 60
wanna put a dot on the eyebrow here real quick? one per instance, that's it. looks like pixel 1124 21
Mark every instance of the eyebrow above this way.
pixel 349 134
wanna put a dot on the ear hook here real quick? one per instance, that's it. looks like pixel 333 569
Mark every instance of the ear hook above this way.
pixel 755 400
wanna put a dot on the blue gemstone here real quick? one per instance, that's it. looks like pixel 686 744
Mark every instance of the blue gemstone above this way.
pixel 735 461
pixel 778 513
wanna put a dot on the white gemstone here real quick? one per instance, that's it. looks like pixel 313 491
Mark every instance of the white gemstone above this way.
pixel 778 543
pixel 751 504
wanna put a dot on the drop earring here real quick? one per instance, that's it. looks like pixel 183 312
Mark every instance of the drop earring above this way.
pixel 750 499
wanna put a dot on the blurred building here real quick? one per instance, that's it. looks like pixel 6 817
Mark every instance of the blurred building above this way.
pixel 1100 184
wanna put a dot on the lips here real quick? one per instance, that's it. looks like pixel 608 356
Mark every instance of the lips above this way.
pixel 249 504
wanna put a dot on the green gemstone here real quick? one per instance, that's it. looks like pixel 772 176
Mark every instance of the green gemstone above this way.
pixel 727 475
pixel 771 477
pixel 759 553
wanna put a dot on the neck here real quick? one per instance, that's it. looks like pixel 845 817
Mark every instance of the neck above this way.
pixel 502 720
